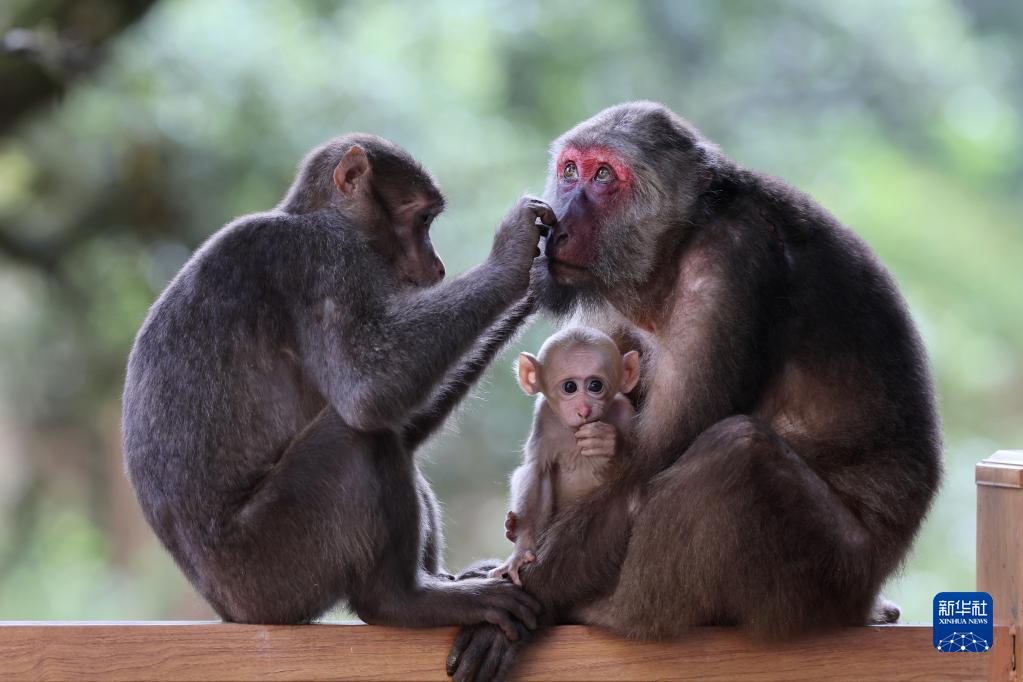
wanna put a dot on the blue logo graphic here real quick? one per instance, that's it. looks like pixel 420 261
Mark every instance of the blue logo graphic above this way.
pixel 963 621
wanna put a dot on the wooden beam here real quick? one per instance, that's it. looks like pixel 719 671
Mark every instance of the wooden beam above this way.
pixel 217 651
pixel 1000 540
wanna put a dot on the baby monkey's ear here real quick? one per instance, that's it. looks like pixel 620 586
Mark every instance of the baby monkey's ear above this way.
pixel 529 373
pixel 630 371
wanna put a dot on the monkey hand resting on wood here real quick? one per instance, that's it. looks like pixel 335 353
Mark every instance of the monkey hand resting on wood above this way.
pixel 280 385
pixel 580 375
pixel 786 445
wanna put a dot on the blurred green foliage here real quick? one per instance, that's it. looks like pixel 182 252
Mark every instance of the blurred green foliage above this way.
pixel 903 118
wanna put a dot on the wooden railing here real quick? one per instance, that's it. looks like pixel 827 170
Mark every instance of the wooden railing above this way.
pixel 206 651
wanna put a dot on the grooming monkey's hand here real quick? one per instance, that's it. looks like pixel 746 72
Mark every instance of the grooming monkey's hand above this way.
pixel 510 568
pixel 597 439
pixel 502 604
pixel 515 244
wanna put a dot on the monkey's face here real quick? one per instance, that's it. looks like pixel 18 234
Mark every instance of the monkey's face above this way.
pixel 622 184
pixel 418 263
pixel 403 237
pixel 591 183
pixel 580 384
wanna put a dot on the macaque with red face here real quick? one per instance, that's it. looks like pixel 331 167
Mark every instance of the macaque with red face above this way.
pixel 580 376
pixel 786 445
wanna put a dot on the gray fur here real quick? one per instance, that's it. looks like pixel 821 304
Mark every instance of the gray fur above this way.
pixel 280 385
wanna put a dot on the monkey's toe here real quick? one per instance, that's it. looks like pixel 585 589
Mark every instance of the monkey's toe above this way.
pixel 884 612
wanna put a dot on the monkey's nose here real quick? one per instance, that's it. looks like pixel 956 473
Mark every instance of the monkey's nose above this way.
pixel 584 411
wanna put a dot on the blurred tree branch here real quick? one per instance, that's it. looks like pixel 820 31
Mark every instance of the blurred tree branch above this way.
pixel 50 43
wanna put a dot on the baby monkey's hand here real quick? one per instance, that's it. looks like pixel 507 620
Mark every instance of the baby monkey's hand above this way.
pixel 597 439
pixel 510 568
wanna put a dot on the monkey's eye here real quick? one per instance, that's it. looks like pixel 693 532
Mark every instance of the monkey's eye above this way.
pixel 595 386
pixel 569 387
pixel 570 172
pixel 604 174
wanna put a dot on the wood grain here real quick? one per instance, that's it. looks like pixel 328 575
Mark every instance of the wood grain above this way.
pixel 1000 539
pixel 217 651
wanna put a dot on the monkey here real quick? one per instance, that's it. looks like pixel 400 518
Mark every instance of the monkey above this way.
pixel 786 445
pixel 579 378
pixel 279 387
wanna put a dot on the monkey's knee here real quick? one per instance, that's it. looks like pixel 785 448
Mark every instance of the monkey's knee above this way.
pixel 737 433
pixel 726 454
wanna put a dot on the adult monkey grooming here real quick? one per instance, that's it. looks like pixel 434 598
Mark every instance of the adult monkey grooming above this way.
pixel 275 397
pixel 786 444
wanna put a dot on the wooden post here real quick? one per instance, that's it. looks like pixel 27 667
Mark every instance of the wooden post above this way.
pixel 1000 542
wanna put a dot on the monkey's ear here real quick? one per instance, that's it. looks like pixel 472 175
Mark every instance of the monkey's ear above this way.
pixel 529 373
pixel 350 170
pixel 630 371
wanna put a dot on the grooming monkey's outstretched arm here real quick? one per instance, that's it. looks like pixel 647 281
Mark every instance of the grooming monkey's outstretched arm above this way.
pixel 376 383
pixel 428 419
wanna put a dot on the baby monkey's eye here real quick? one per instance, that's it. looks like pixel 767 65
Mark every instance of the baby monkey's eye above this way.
pixel 570 172
pixel 604 174
pixel 569 387
pixel 595 386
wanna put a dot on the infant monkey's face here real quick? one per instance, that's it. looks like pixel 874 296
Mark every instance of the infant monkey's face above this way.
pixel 579 381
pixel 580 385
pixel 580 371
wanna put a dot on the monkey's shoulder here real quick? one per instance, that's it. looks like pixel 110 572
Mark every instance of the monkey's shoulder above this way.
pixel 281 260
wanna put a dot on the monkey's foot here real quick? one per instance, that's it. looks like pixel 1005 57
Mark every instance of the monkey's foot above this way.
pixel 884 612
pixel 483 653
pixel 511 567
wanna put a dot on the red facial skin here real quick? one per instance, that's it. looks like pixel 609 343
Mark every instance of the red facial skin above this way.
pixel 585 201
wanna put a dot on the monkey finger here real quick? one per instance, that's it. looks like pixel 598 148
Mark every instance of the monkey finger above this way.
pixel 544 213
pixel 519 603
pixel 513 573
pixel 472 654
pixel 507 653
pixel 502 619
pixel 595 430
pixel 528 601
pixel 593 443
pixel 522 612
pixel 494 667
pixel 458 647
pixel 491 662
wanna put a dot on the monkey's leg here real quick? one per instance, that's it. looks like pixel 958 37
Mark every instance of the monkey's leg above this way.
pixel 394 590
pixel 740 530
pixel 339 516
pixel 308 525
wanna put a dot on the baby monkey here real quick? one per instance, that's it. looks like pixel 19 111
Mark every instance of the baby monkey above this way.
pixel 581 377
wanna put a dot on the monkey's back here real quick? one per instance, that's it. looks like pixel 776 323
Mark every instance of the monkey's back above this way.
pixel 215 389
pixel 850 387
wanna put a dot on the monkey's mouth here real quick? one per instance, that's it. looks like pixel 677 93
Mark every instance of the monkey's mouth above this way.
pixel 561 269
